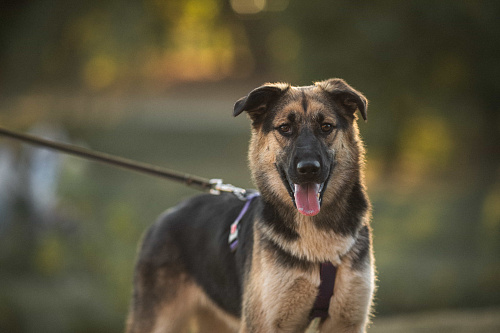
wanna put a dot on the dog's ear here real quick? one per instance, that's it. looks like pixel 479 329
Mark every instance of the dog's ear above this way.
pixel 258 100
pixel 346 95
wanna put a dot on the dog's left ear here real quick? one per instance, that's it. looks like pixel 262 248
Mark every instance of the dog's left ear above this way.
pixel 346 95
pixel 259 99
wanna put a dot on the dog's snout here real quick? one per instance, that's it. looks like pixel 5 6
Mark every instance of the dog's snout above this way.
pixel 308 167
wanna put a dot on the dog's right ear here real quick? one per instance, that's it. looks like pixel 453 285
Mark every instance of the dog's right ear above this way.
pixel 258 100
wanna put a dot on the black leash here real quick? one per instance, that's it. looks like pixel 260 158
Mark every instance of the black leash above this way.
pixel 215 186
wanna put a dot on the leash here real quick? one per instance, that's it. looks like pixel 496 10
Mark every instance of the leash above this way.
pixel 214 186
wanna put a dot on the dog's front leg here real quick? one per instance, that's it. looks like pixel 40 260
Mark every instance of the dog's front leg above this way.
pixel 354 287
pixel 277 299
pixel 281 307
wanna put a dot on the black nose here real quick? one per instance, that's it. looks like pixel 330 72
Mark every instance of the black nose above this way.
pixel 308 167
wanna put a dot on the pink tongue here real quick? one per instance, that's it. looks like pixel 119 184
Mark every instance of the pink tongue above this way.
pixel 306 198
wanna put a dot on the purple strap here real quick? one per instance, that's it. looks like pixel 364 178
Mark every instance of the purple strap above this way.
pixel 327 275
pixel 233 232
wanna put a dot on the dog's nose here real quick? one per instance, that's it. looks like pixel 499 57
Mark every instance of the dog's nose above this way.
pixel 308 167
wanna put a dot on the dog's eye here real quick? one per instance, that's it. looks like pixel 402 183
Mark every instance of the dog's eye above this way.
pixel 285 129
pixel 326 128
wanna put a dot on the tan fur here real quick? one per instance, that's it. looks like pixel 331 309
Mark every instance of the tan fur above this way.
pixel 193 310
pixel 277 297
pixel 351 303
pixel 262 156
pixel 226 322
pixel 181 310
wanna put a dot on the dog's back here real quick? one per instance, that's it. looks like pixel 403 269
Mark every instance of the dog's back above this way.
pixel 186 255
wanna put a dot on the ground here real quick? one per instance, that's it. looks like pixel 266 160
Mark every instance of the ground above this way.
pixel 449 321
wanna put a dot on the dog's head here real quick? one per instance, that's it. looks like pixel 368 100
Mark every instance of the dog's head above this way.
pixel 303 140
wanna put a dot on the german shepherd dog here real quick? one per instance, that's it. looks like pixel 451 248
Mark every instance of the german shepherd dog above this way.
pixel 306 158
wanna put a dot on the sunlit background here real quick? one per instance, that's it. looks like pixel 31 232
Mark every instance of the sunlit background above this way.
pixel 155 81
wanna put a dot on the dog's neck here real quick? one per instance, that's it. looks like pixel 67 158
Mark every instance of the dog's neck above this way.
pixel 324 237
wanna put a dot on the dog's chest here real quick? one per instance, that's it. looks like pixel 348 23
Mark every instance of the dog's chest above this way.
pixel 319 245
pixel 283 297
pixel 312 243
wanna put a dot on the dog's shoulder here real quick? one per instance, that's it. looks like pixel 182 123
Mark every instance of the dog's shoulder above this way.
pixel 202 210
pixel 193 238
pixel 193 224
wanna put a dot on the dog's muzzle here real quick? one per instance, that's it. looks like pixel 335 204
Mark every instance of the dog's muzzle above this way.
pixel 306 184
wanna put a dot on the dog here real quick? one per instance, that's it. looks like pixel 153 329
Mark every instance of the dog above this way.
pixel 306 159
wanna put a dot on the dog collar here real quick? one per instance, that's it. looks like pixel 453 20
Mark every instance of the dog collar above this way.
pixel 233 232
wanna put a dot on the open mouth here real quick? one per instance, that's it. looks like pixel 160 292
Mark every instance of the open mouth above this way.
pixel 307 196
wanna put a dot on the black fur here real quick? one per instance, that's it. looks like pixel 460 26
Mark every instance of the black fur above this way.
pixel 347 96
pixel 285 259
pixel 189 244
pixel 305 104
pixel 361 249
pixel 348 222
pixel 280 225
pixel 258 102
pixel 194 238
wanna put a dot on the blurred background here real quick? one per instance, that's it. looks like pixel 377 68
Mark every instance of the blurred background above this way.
pixel 155 81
